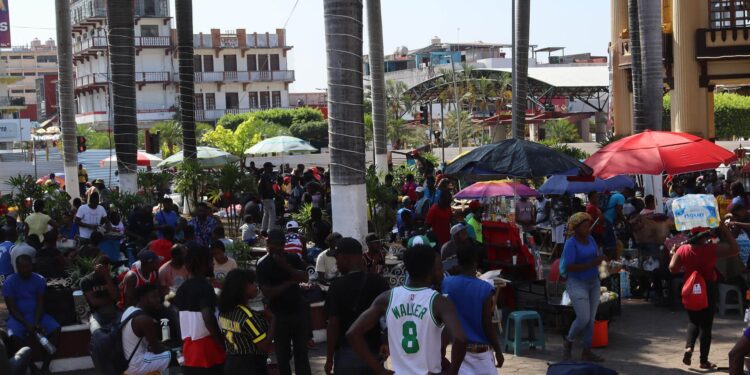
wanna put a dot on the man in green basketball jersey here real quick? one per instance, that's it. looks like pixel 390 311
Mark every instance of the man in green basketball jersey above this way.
pixel 415 317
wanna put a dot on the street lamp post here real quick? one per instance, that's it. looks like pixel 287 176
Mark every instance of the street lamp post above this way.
pixel 458 116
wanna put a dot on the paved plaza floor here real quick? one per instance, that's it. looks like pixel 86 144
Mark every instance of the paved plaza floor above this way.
pixel 644 340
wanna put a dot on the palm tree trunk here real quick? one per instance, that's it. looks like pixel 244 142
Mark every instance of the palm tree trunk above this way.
pixel 521 20
pixel 652 81
pixel 65 95
pixel 639 119
pixel 377 82
pixel 184 10
pixel 122 70
pixel 343 27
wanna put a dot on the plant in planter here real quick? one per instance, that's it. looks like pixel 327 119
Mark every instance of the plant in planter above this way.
pixel 189 181
pixel 304 218
pixel 230 182
pixel 125 203
pixel 382 215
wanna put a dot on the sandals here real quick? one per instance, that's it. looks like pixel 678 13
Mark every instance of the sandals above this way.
pixel 687 358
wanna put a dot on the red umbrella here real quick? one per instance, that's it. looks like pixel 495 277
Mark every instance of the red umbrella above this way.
pixel 655 152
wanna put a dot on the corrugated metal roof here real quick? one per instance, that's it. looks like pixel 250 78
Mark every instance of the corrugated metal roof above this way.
pixel 570 76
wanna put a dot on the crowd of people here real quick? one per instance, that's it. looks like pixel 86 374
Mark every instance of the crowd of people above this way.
pixel 154 268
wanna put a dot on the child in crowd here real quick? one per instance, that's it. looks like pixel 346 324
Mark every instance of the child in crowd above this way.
pixel 248 231
pixel 222 263
pixel 295 242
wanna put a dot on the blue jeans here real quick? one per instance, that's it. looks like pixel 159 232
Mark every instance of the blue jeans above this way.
pixel 584 295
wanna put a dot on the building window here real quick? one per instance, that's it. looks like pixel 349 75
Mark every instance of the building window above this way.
pixel 210 101
pixel 263 62
pixel 265 100
pixel 252 63
pixel 230 63
pixel 29 74
pixel 16 91
pixel 729 13
pixel 275 62
pixel 276 99
pixel 208 63
pixel 30 91
pixel 149 31
pixel 15 57
pixel 232 100
pixel 198 63
pixel 46 59
pixel 253 100
pixel 149 8
pixel 199 102
pixel 28 57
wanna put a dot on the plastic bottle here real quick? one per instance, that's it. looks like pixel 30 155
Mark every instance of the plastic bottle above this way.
pixel 165 330
pixel 46 344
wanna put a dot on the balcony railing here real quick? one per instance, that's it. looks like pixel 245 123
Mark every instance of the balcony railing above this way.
pixel 215 114
pixel 140 77
pixel 12 101
pixel 97 43
pixel 243 76
pixel 729 43
pixel 153 41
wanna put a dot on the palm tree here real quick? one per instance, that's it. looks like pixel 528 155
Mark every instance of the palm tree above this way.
pixel 377 80
pixel 170 134
pixel 652 82
pixel 122 67
pixel 521 20
pixel 184 10
pixel 67 109
pixel 343 29
pixel 639 120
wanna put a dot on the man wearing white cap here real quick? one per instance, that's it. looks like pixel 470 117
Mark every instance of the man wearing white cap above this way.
pixel 295 242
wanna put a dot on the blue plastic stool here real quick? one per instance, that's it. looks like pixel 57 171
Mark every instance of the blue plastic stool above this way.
pixel 537 338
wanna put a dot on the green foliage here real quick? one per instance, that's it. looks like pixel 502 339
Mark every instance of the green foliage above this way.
pixel 22 188
pixel 368 130
pixel 232 121
pixel 732 115
pixel 77 270
pixel 125 203
pixel 561 131
pixel 245 136
pixel 190 180
pixel 96 140
pixel 399 174
pixel 152 183
pixel 574 152
pixel 462 121
pixel 304 217
pixel 314 132
pixel 382 215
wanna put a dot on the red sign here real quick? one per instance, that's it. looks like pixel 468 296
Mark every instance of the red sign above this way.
pixel 4 24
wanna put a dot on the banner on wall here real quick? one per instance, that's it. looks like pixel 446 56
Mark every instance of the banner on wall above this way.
pixel 4 24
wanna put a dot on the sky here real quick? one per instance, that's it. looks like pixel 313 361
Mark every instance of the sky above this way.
pixel 579 26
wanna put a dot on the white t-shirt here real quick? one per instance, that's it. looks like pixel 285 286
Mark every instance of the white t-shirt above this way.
pixel 248 232
pixel 325 266
pixel 221 270
pixel 92 216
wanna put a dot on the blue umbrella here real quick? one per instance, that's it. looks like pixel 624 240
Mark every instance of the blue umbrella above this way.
pixel 558 185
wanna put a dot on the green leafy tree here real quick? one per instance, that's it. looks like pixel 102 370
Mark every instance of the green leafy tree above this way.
pixel 245 136
pixel 314 132
pixel 565 149
pixel 561 131
pixel 232 121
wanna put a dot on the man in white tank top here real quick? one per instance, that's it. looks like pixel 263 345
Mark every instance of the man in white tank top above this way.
pixel 415 316
pixel 141 337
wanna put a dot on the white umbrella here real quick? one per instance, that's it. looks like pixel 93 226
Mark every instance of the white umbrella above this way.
pixel 143 159
pixel 282 145
pixel 208 157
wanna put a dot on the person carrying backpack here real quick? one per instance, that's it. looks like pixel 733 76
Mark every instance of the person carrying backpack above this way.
pixel 141 337
pixel 699 255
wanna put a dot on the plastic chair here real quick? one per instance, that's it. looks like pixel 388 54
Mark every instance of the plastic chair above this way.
pixel 724 292
pixel 535 339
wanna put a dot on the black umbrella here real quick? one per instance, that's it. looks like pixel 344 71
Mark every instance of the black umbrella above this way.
pixel 516 158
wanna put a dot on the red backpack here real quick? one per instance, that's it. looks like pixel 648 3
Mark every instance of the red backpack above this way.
pixel 694 293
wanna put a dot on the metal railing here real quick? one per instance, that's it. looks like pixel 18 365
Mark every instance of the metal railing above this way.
pixel 153 41
pixel 8 101
pixel 97 42
pixel 140 77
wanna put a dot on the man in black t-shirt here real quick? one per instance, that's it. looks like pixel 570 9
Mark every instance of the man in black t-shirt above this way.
pixel 348 297
pixel 279 275
pixel 265 189
pixel 100 291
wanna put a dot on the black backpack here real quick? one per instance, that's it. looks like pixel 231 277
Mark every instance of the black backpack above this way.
pixel 106 347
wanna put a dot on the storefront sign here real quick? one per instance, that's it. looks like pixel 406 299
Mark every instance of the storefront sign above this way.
pixel 4 24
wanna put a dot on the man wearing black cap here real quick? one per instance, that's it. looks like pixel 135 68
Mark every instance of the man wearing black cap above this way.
pixel 347 298
pixel 265 189
pixel 143 272
pixel 279 275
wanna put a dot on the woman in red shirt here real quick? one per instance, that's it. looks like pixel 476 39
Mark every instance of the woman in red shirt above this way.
pixel 698 254
pixel 439 218
pixel 592 208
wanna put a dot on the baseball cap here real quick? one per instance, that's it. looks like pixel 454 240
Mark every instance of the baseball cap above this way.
pixel 276 236
pixel 268 164
pixel 292 225
pixel 346 246
pixel 473 205
pixel 419 240
pixel 419 189
pixel 457 228
pixel 371 237
pixel 147 256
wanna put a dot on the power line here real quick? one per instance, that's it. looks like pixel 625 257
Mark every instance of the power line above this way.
pixel 291 13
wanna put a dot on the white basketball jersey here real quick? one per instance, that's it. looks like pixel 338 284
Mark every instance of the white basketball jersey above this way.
pixel 413 331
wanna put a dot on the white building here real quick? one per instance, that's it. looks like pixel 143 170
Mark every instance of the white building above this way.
pixel 234 71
